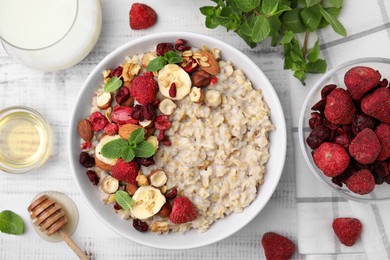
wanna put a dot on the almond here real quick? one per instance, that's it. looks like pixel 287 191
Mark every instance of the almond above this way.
pixel 104 100
pixel 127 129
pixel 211 65
pixel 85 130
pixel 102 165
pixel 131 188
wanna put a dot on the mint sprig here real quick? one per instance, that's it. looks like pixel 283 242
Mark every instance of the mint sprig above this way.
pixel 113 84
pixel 158 63
pixel 11 223
pixel 136 146
pixel 282 21
pixel 123 199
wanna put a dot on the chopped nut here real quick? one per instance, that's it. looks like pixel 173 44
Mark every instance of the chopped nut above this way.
pixel 142 180
pixel 216 53
pixel 158 178
pixel 110 199
pixel 196 95
pixel 213 98
pixel 167 106
pixel 106 75
pixel 159 226
pixel 104 100
pixel 148 57
pixel 107 114
pixel 187 53
pixel 130 70
pixel 146 123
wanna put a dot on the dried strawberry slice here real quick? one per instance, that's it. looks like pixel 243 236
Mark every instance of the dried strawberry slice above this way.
pixel 122 115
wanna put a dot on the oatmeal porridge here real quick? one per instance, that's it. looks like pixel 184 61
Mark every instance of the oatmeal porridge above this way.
pixel 177 139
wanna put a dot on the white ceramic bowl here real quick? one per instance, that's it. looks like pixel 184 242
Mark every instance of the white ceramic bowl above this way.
pixel 222 228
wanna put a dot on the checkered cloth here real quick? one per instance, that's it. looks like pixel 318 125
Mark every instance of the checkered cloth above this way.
pixel 368 27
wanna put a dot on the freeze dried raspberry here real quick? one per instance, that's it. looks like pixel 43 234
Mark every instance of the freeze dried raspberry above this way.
pixel 85 145
pixel 361 182
pixel 122 115
pixel 331 158
pixel 141 16
pixel 98 121
pixel 339 108
pixel 347 230
pixel 359 80
pixel 93 177
pixel 86 160
pixel 111 129
pixel 277 247
pixel 377 104
pixel 383 133
pixel 365 147
pixel 144 89
pixel 162 122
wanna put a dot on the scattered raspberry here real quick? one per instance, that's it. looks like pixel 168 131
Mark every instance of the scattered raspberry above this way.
pixel 347 230
pixel 86 160
pixel 361 182
pixel 365 147
pixel 141 16
pixel 85 145
pixel 144 89
pixel 93 177
pixel 125 171
pixel 140 225
pixel 122 115
pixel 377 104
pixel 359 80
pixel 182 211
pixel 339 108
pixel 277 247
pixel 331 158
pixel 98 121
pixel 111 129
pixel 383 133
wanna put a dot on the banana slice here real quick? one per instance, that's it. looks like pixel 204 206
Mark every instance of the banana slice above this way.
pixel 172 73
pixel 147 202
pixel 98 152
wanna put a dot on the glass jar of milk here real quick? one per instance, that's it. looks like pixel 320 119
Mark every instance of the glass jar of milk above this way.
pixel 50 35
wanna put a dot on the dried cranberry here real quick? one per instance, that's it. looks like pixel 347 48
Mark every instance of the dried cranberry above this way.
pixel 98 121
pixel 320 105
pixel 162 122
pixel 342 140
pixel 85 145
pixel 383 83
pixel 93 177
pixel 122 115
pixel 166 142
pixel 172 90
pixel 111 129
pixel 387 179
pixel 136 113
pixel 122 95
pixel 314 141
pixel 164 47
pixel 171 193
pixel 180 45
pixel 361 121
pixel 146 161
pixel 117 206
pixel 315 120
pixel 381 169
pixel 149 111
pixel 321 132
pixel 327 89
pixel 161 135
pixel 140 225
pixel 342 178
pixel 117 72
pixel 86 160
pixel 330 125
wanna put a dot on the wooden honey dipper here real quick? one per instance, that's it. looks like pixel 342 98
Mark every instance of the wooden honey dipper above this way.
pixel 50 217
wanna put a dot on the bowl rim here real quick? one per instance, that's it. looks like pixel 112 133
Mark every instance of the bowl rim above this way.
pixel 317 85
pixel 282 131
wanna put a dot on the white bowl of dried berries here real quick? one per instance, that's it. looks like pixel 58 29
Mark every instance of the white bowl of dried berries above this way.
pixel 177 140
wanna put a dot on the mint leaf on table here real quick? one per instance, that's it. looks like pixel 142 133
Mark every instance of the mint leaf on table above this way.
pixel 283 21
pixel 11 223
pixel 144 150
pixel 113 84
pixel 123 199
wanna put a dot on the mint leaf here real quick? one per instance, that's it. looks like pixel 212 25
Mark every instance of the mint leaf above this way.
pixel 113 84
pixel 301 75
pixel 137 136
pixel 269 6
pixel 282 9
pixel 144 150
pixel 114 149
pixel 123 199
pixel 172 57
pixel 288 36
pixel 275 26
pixel 333 11
pixel 261 28
pixel 207 10
pixel 245 29
pixel 211 22
pixel 128 154
pixel 246 5
pixel 11 223
pixel 312 2
pixel 311 17
pixel 292 21
pixel 314 54
pixel 332 20
pixel 336 3
pixel 319 66
pixel 156 64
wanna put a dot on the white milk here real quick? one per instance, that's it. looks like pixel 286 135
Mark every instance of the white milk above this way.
pixel 50 35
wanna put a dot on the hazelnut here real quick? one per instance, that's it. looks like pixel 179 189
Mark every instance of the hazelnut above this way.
pixel 201 79
pixel 142 180
pixel 153 140
pixel 104 100
pixel 167 106
pixel 213 98
pixel 197 95
pixel 109 185
pixel 158 178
